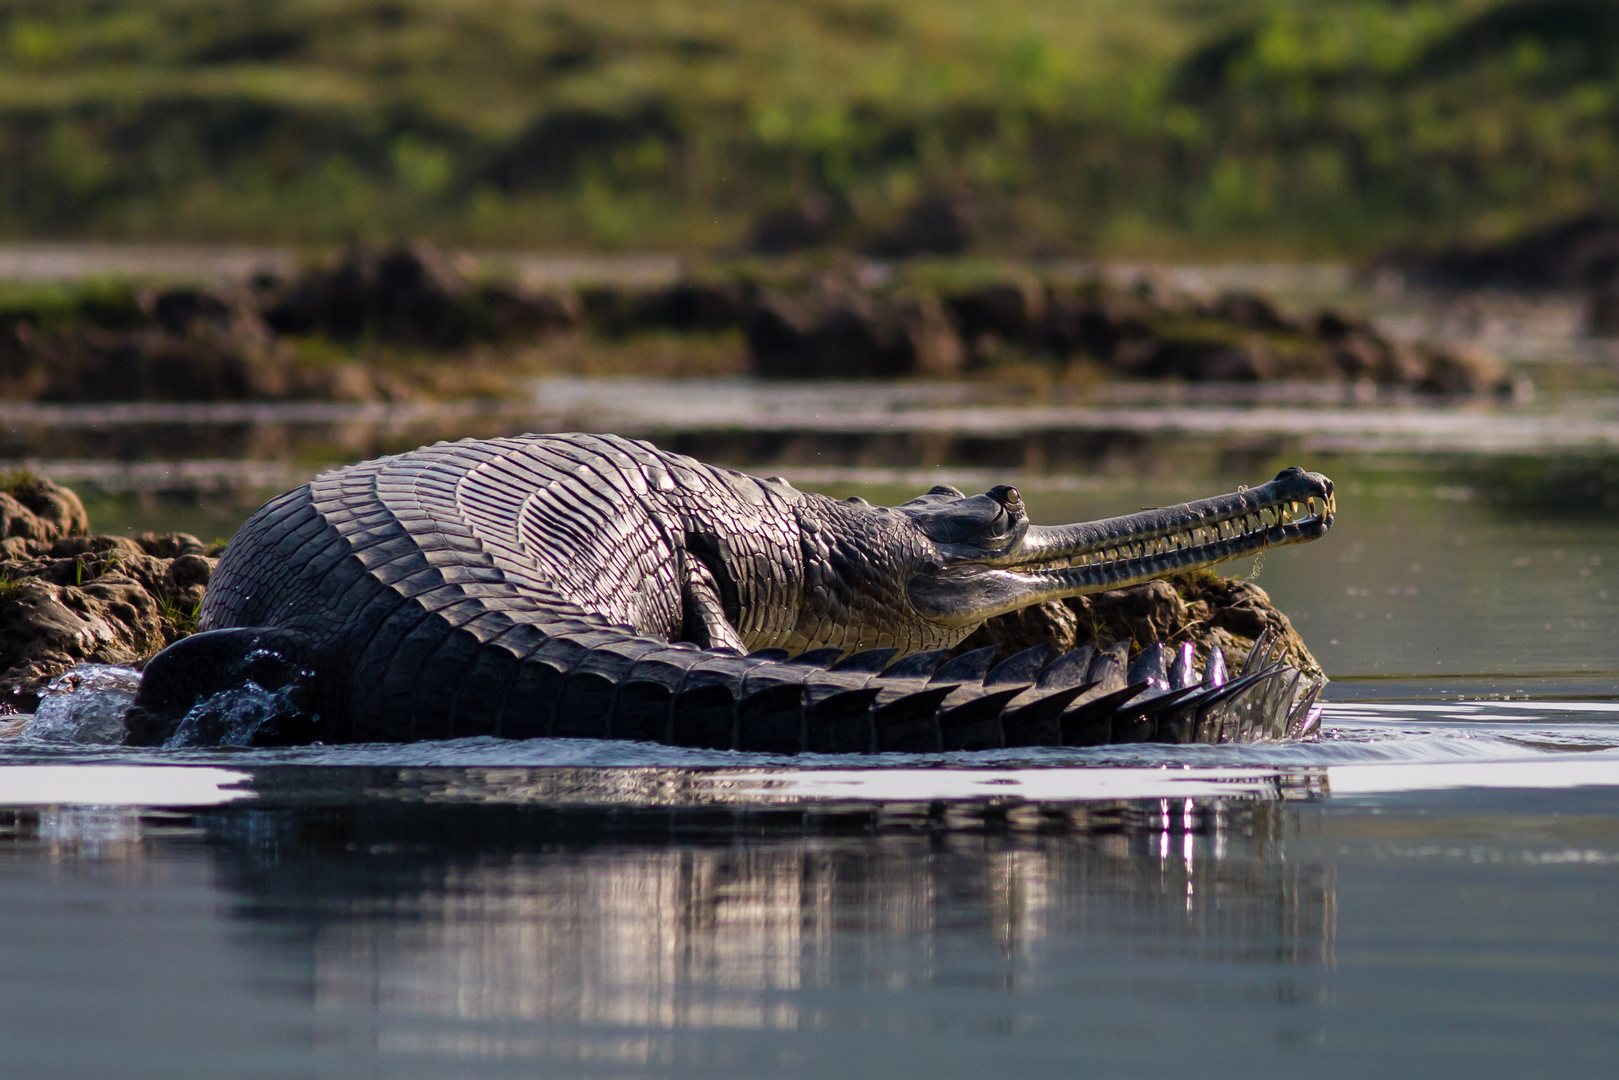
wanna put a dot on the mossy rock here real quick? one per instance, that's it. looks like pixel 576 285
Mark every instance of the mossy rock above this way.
pixel 1201 607
pixel 68 598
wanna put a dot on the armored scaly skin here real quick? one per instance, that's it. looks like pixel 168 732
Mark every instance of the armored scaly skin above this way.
pixel 589 585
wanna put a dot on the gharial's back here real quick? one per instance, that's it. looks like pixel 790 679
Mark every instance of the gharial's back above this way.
pixel 589 585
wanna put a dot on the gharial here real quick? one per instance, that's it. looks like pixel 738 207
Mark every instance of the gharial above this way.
pixel 595 586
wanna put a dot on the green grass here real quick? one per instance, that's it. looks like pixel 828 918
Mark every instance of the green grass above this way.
pixel 18 480
pixel 179 620
pixel 1113 126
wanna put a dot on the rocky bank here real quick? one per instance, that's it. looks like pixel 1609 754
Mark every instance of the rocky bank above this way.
pixel 69 597
pixel 412 323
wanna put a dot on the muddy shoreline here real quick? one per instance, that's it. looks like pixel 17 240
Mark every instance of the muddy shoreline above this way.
pixel 414 324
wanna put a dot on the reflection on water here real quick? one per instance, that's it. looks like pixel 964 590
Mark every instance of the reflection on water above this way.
pixel 604 937
pixel 726 938
pixel 370 921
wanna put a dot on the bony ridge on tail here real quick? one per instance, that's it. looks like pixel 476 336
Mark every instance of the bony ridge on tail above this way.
pixel 594 586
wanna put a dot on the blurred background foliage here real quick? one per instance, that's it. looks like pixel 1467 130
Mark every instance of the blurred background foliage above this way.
pixel 1155 128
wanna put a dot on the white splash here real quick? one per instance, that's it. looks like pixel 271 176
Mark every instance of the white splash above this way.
pixel 85 705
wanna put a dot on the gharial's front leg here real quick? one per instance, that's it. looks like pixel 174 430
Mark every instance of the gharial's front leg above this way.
pixel 703 620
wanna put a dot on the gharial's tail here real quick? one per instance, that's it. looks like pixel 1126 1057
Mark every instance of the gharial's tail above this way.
pixel 927 702
pixel 622 686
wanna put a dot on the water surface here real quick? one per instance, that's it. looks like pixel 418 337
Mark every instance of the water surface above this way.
pixel 391 917
pixel 1427 890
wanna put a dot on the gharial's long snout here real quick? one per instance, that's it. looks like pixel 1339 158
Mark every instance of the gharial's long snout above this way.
pixel 1057 561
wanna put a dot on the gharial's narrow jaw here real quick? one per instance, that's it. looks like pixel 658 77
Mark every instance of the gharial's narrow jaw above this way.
pixel 1040 563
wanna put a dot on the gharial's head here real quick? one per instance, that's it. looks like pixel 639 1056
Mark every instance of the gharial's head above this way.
pixel 966 558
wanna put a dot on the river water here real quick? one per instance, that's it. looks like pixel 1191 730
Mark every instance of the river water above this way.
pixel 1428 890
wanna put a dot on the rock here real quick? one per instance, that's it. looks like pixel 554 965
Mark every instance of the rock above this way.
pixel 1254 312
pixel 405 294
pixel 934 225
pixel 73 599
pixel 18 521
pixel 1091 322
pixel 1201 607
pixel 851 335
pixel 1018 630
pixel 1458 369
pixel 170 545
pixel 1574 253
pixel 178 310
pixel 410 295
pixel 1153 611
pixel 351 382
pixel 46 628
pixel 34 508
pixel 507 314
pixel 809 223
pixel 189 345
pixel 685 307
pixel 1008 310
pixel 112 546
pixel 1207 360
pixel 209 364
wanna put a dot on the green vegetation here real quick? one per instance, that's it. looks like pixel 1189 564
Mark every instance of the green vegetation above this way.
pixel 179 618
pixel 1112 126
pixel 17 481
